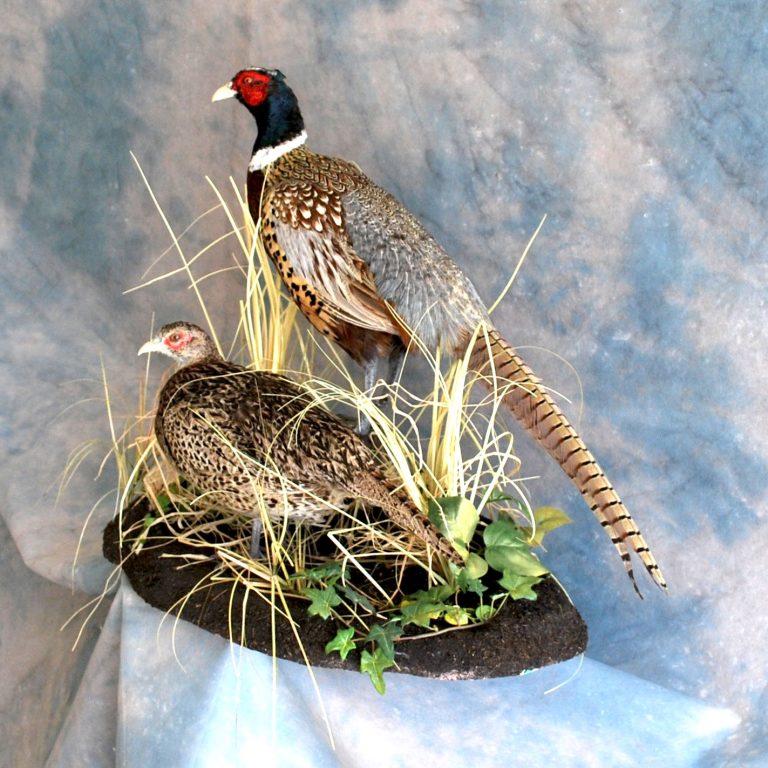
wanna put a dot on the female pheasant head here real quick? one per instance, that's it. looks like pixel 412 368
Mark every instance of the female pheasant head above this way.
pixel 274 106
pixel 186 343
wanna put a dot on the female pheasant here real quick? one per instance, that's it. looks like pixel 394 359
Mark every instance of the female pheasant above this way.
pixel 250 440
pixel 367 274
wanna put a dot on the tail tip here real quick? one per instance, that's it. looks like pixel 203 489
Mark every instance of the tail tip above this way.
pixel 655 574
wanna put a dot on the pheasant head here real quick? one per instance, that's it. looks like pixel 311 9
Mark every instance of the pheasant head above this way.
pixel 274 106
pixel 186 343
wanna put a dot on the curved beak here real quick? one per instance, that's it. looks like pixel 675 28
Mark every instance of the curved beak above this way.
pixel 155 345
pixel 225 92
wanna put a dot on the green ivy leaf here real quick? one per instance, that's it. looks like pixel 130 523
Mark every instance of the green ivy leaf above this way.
pixel 147 523
pixel 468 578
pixel 498 495
pixel 421 612
pixel 322 601
pixel 505 534
pixel 323 573
pixel 164 501
pixel 356 598
pixel 384 635
pixel 475 567
pixel 465 584
pixel 342 642
pixel 374 665
pixel 506 549
pixel 519 587
pixel 484 612
pixel 457 518
pixel 547 519
pixel 519 561
pixel 439 593
pixel 457 616
pixel 424 606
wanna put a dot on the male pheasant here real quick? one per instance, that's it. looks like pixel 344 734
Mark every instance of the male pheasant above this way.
pixel 248 439
pixel 366 273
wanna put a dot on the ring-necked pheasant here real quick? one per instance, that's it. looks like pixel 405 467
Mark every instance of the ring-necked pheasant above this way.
pixel 367 274
pixel 251 438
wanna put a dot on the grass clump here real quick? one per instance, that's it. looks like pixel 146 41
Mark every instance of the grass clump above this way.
pixel 449 447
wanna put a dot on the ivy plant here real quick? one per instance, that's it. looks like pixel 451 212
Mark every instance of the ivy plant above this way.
pixel 498 565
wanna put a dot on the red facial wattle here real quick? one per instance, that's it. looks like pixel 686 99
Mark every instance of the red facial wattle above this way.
pixel 252 87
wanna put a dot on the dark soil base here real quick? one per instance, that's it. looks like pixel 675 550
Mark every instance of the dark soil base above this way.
pixel 524 635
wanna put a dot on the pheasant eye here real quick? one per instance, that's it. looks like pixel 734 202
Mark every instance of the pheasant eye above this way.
pixel 175 340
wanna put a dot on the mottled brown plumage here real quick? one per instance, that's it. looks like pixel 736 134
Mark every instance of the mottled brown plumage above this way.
pixel 366 273
pixel 248 438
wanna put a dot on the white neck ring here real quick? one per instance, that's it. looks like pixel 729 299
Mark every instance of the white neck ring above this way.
pixel 266 155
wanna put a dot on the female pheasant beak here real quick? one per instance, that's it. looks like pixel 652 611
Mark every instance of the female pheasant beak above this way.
pixel 225 92
pixel 155 345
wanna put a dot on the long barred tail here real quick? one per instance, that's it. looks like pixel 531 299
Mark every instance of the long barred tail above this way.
pixel 541 417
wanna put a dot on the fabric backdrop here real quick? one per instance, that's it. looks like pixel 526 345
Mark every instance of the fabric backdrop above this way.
pixel 639 130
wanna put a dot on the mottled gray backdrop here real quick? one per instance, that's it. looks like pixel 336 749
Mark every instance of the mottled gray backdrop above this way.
pixel 638 128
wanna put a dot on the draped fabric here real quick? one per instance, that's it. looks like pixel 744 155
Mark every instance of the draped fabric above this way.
pixel 639 130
